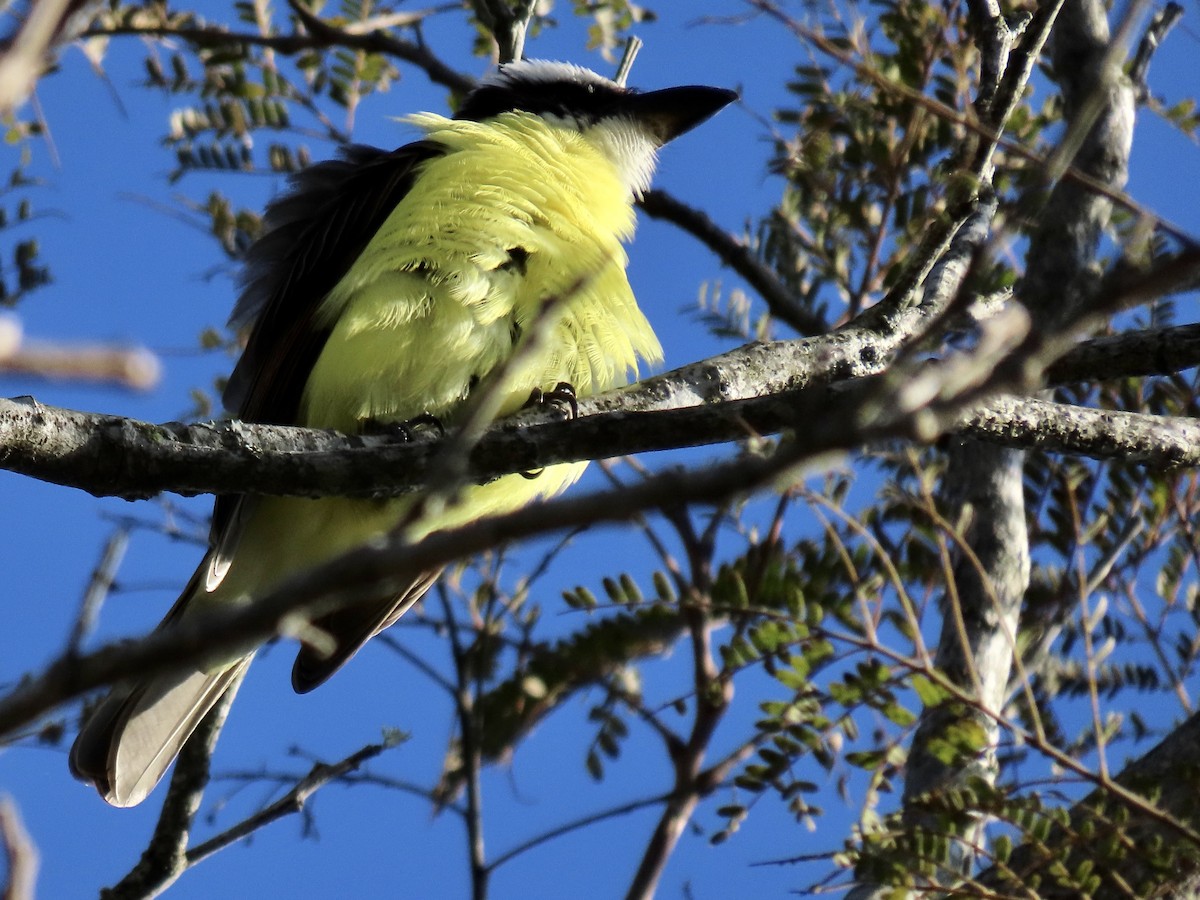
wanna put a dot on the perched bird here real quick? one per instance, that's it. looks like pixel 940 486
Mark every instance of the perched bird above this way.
pixel 390 285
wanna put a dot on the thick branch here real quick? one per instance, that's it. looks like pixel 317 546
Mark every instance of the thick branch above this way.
pixel 108 455
pixel 980 610
pixel 1158 442
pixel 1099 106
pixel 1155 351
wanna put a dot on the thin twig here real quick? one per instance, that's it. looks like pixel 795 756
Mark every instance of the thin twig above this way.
pixel 632 46
pixel 99 585
pixel 1156 32
pixel 575 825
pixel 738 256
pixel 293 802
pixel 21 854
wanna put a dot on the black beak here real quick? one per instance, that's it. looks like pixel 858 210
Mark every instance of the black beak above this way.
pixel 673 111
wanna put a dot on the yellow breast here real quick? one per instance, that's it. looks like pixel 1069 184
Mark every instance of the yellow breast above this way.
pixel 517 220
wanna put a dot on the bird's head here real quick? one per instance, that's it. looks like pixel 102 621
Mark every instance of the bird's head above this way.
pixel 626 124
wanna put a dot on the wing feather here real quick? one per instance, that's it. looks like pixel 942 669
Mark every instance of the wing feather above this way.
pixel 312 235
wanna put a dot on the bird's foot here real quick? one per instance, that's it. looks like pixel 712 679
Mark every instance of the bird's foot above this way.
pixel 405 430
pixel 564 397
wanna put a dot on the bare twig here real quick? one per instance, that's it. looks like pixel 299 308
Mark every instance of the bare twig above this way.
pixel 1156 32
pixel 291 803
pixel 322 36
pixel 632 47
pixel 24 57
pixel 575 825
pixel 22 855
pixel 101 582
pixel 738 256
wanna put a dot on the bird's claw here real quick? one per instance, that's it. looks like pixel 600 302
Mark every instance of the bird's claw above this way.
pixel 562 396
pixel 404 430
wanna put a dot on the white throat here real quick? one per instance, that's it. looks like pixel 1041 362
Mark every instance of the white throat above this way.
pixel 630 147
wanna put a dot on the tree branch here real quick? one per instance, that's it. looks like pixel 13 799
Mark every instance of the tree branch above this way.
pixel 132 367
pixel 292 802
pixel 21 854
pixel 30 51
pixel 738 256
pixel 1160 26
pixel 113 456
pixel 321 35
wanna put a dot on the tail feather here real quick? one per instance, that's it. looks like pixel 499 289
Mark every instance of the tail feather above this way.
pixel 129 742
pixel 350 629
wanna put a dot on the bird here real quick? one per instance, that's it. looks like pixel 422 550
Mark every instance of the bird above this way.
pixel 388 286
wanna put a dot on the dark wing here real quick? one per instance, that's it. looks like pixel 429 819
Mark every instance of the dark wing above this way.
pixel 313 234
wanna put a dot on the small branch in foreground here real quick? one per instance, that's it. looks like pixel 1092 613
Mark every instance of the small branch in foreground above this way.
pixel 378 567
pixel 27 54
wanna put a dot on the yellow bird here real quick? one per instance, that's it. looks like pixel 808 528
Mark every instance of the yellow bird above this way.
pixel 390 285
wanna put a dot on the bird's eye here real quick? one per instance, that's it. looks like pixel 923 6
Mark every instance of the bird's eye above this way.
pixel 591 89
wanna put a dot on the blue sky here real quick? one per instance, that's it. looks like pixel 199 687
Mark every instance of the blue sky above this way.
pixel 127 271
